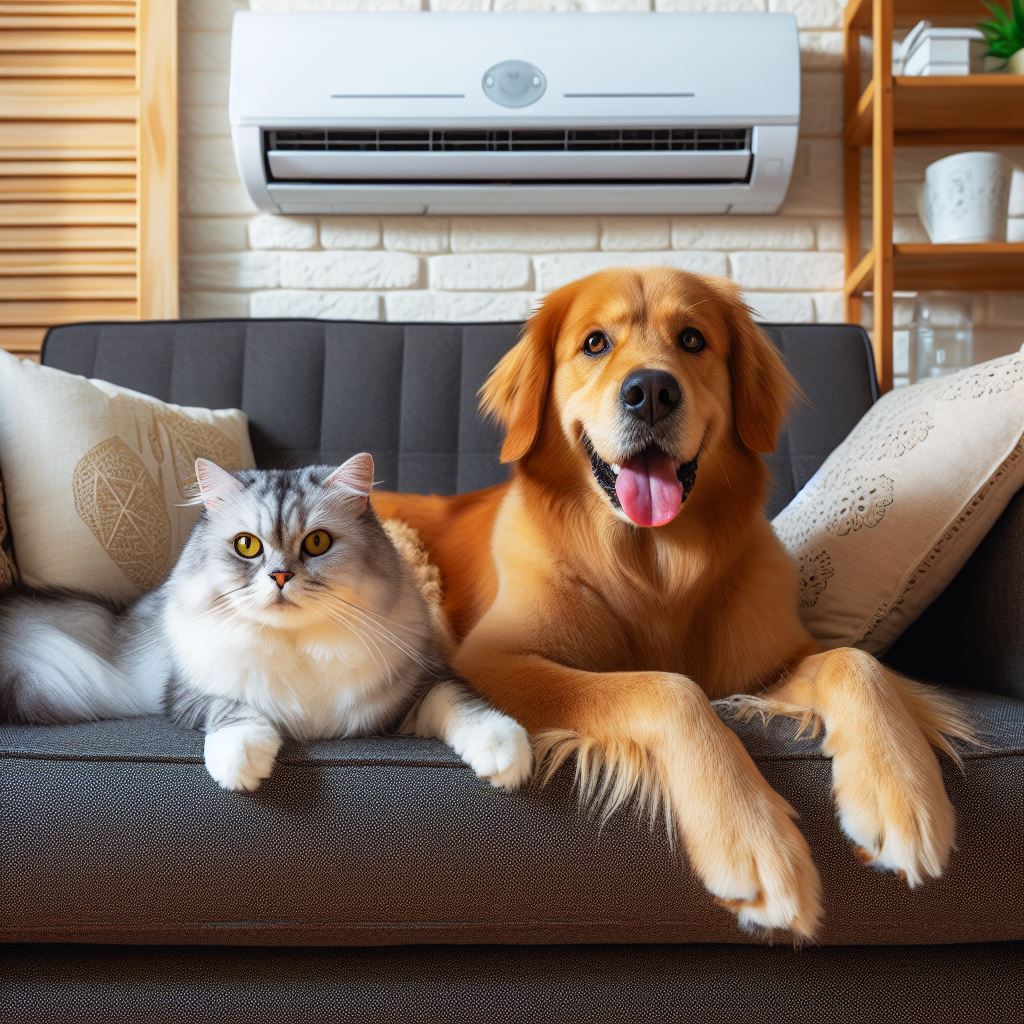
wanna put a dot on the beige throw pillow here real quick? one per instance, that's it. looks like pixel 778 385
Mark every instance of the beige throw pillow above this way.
pixel 97 477
pixel 896 510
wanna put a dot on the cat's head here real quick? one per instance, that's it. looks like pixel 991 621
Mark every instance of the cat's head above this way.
pixel 288 547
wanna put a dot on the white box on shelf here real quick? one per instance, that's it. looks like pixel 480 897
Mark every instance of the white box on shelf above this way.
pixel 920 64
pixel 927 50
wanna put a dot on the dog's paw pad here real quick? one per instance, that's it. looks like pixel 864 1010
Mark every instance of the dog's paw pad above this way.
pixel 892 827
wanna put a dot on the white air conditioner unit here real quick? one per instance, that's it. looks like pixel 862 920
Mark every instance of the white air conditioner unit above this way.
pixel 515 113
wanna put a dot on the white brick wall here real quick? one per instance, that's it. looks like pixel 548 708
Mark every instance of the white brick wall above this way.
pixel 237 261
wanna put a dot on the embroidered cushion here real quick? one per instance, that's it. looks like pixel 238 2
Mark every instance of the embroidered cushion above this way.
pixel 896 510
pixel 97 477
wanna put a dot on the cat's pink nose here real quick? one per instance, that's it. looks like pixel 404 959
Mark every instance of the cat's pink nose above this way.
pixel 281 578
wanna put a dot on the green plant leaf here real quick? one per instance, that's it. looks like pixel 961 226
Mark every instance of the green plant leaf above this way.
pixel 1001 17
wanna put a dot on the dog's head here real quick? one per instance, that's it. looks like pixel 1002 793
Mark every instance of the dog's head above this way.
pixel 639 375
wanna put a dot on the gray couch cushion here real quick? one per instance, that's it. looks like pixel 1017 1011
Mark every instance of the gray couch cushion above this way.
pixel 114 832
pixel 978 984
pixel 317 391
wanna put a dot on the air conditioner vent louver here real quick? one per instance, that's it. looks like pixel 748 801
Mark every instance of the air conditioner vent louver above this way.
pixel 708 140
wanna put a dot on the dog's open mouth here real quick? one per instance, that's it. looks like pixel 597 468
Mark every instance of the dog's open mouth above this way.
pixel 649 486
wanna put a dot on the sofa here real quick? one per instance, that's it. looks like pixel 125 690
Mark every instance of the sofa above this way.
pixel 378 879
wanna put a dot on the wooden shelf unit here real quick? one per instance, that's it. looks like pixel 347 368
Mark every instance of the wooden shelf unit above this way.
pixel 972 110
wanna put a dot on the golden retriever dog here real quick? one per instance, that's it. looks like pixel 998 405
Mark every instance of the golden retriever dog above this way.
pixel 626 577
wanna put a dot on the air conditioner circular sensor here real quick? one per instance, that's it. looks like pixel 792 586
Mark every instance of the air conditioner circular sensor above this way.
pixel 514 83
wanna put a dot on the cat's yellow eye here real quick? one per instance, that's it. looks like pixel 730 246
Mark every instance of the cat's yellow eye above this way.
pixel 317 542
pixel 248 546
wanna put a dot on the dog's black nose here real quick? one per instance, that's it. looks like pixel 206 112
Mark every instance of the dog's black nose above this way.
pixel 650 395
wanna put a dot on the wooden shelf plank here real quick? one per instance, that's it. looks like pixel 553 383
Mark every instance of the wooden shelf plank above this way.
pixel 857 14
pixel 985 266
pixel 920 266
pixel 973 103
pixel 859 279
pixel 958 110
pixel 908 13
pixel 857 131
pixel 882 120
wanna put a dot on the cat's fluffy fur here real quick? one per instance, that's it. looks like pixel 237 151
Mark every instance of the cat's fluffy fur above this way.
pixel 343 647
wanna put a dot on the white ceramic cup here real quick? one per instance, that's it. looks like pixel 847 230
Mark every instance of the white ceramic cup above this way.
pixel 966 198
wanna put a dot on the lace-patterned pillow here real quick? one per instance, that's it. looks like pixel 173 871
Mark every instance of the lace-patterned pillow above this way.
pixel 97 477
pixel 898 508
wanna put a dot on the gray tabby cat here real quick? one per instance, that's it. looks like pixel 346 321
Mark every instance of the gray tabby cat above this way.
pixel 289 613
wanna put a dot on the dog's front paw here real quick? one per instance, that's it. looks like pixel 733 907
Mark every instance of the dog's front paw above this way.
pixel 241 756
pixel 894 808
pixel 498 749
pixel 759 866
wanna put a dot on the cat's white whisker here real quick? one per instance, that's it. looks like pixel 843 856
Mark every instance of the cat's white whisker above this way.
pixel 388 637
pixel 378 656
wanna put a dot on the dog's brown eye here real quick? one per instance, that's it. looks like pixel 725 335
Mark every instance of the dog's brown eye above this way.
pixel 596 344
pixel 691 340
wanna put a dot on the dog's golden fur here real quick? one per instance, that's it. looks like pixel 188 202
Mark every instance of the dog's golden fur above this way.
pixel 609 642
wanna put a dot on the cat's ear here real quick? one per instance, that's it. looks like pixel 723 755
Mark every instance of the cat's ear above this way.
pixel 355 475
pixel 215 484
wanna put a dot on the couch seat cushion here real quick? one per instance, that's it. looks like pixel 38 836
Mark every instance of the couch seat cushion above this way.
pixel 114 832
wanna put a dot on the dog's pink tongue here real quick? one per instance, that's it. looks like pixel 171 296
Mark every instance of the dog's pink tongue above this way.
pixel 648 489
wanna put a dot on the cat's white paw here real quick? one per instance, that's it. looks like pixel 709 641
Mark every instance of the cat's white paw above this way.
pixel 241 756
pixel 498 749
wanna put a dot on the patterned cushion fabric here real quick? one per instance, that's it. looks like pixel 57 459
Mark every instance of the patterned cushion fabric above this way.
pixel 98 476
pixel 897 509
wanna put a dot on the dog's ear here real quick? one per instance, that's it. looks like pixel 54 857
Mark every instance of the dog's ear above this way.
pixel 762 387
pixel 516 392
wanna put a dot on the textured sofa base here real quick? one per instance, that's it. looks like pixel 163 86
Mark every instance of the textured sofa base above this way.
pixel 545 984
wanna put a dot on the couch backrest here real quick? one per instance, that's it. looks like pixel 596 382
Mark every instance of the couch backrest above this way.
pixel 319 390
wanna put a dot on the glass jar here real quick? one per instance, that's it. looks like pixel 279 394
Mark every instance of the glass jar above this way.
pixel 941 335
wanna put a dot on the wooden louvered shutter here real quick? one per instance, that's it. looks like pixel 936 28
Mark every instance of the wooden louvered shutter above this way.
pixel 88 164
